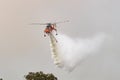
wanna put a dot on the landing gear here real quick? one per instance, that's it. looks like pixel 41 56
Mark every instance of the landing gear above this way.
pixel 44 35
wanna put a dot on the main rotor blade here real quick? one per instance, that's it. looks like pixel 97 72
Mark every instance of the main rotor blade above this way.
pixel 38 23
pixel 49 23
pixel 61 22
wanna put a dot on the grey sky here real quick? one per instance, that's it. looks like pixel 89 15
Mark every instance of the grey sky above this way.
pixel 23 47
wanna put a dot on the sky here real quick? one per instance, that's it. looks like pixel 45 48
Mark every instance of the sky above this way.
pixel 24 49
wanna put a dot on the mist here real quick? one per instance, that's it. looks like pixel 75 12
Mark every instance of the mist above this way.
pixel 69 52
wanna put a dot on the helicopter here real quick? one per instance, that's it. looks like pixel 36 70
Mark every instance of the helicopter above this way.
pixel 50 27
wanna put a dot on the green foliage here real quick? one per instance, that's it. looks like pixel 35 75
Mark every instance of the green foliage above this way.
pixel 40 76
pixel 1 79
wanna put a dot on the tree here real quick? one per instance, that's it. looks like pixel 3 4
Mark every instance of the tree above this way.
pixel 1 79
pixel 39 76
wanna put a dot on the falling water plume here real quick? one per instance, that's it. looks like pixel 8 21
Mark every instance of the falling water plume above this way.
pixel 67 53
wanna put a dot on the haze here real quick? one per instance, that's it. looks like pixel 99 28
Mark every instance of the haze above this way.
pixel 23 47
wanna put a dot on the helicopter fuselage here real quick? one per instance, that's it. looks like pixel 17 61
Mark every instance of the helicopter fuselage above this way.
pixel 49 28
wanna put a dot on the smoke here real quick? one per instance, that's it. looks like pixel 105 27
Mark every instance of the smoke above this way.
pixel 68 53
